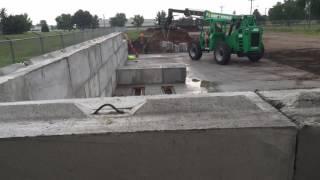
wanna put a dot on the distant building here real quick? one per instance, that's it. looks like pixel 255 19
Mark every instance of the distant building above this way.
pixel 36 28
pixel 146 23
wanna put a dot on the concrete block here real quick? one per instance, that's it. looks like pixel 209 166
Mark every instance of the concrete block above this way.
pixel 111 68
pixel 303 107
pixel 53 77
pixel 79 68
pixel 106 50
pixel 152 74
pixel 174 74
pixel 95 58
pixel 114 82
pixel 50 82
pixel 138 76
pixel 94 86
pixel 226 136
pixel 81 92
pixel 87 90
pixel 103 77
pixel 10 68
pixel 128 76
pixel 39 112
pixel 14 90
pixel 109 89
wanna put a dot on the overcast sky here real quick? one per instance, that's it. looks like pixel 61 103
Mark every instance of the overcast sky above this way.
pixel 48 10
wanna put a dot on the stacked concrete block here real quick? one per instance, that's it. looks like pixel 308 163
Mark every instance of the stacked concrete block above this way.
pixel 81 71
pixel 151 74
pixel 223 136
pixel 303 108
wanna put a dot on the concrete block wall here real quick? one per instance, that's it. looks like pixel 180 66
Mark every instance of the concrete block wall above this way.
pixel 224 136
pixel 82 71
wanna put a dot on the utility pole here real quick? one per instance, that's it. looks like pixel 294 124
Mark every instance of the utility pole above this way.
pixel 265 11
pixel 308 12
pixel 251 5
pixel 104 21
pixel 221 8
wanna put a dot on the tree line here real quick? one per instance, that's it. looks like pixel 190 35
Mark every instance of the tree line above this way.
pixel 81 19
pixel 295 10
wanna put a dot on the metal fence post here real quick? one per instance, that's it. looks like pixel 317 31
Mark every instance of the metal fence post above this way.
pixel 41 44
pixel 74 38
pixel 83 36
pixel 13 55
pixel 62 41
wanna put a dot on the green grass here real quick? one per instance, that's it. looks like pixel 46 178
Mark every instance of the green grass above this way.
pixel 314 30
pixel 133 34
pixel 30 46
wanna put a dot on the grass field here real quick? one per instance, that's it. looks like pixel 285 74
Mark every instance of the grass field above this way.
pixel 29 44
pixel 313 30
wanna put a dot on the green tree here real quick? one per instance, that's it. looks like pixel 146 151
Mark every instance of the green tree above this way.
pixel 95 22
pixel 287 11
pixel 3 15
pixel 44 26
pixel 276 12
pixel 314 7
pixel 138 20
pixel 16 24
pixel 119 20
pixel 260 19
pixel 161 17
pixel 82 19
pixel 64 22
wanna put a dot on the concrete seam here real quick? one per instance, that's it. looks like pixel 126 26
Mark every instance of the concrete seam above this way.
pixel 293 121
pixel 70 78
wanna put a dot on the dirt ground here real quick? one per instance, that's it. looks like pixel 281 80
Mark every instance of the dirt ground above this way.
pixel 299 51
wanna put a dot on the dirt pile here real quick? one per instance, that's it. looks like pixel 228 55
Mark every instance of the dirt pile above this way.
pixel 154 36
pixel 295 50
pixel 305 59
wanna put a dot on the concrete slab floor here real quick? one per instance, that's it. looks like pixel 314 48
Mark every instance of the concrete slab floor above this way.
pixel 240 75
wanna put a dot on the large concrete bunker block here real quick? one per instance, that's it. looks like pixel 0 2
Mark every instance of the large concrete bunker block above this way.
pixel 95 58
pixel 106 50
pixel 175 74
pixel 151 74
pixel 79 68
pixel 39 112
pixel 303 107
pixel 217 136
pixel 50 82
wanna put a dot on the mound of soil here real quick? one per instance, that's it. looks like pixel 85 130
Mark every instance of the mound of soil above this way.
pixel 154 36
pixel 305 59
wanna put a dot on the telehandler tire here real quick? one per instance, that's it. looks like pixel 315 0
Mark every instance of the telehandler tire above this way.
pixel 256 57
pixel 194 50
pixel 222 53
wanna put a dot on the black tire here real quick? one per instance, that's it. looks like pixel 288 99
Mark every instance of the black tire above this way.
pixel 194 50
pixel 257 56
pixel 222 53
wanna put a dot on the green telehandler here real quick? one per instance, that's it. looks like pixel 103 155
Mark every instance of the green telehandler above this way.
pixel 225 35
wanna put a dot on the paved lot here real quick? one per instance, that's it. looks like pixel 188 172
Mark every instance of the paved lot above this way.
pixel 240 75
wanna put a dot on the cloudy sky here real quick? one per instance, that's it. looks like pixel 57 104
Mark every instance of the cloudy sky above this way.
pixel 48 10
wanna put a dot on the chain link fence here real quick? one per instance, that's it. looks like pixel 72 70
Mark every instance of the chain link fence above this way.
pixel 304 26
pixel 19 50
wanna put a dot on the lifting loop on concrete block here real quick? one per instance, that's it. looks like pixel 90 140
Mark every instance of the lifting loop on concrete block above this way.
pixel 110 105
